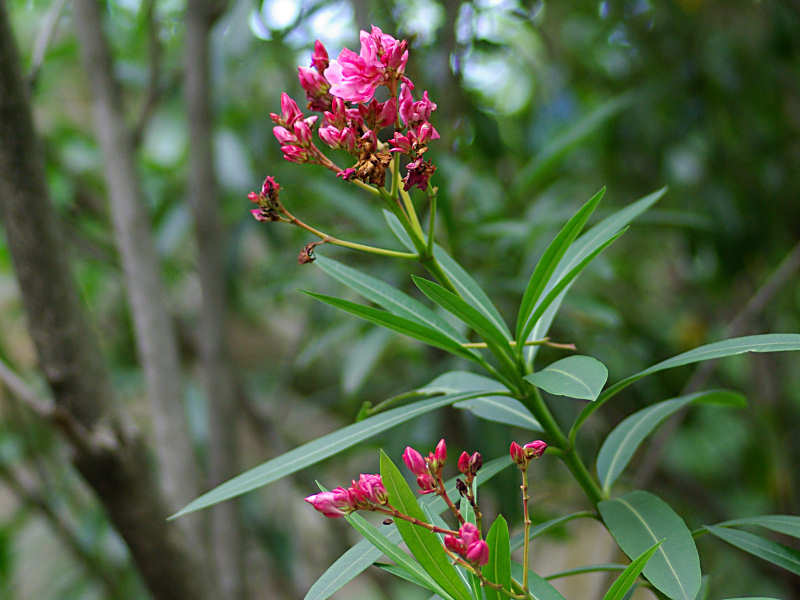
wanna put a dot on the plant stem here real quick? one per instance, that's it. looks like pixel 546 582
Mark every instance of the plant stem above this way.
pixel 412 213
pixel 541 342
pixel 392 511
pixel 443 494
pixel 431 224
pixel 527 543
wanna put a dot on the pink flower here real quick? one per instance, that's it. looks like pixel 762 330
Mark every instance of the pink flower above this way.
pixel 369 488
pixel 295 154
pixel 414 461
pixel 454 544
pixel 347 174
pixel 535 449
pixel 283 135
pixel 319 59
pixel 426 483
pixel 413 113
pixel 469 534
pixel 523 454
pixel 270 187
pixel 426 132
pixel 418 174
pixel 290 112
pixel 335 138
pixel 377 115
pixel 478 553
pixel 316 88
pixel 336 503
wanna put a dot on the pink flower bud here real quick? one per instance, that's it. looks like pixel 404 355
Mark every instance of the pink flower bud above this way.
pixel 252 196
pixel 283 135
pixel 295 154
pixel 319 59
pixel 270 187
pixel 290 112
pixel 302 131
pixel 535 449
pixel 336 503
pixel 475 463
pixel 454 544
pixel 478 553
pixel 347 174
pixel 414 461
pixel 469 534
pixel 463 463
pixel 440 453
pixel 518 454
pixel 388 113
pixel 369 488
pixel 426 483
pixel 401 143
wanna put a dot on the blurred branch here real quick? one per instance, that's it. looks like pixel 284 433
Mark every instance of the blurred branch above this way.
pixel 154 91
pixel 46 33
pixel 785 273
pixel 155 334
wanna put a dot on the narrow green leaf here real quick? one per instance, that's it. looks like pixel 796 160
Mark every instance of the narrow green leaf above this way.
pixel 640 519
pixel 578 251
pixel 387 296
pixel 361 358
pixel 397 229
pixel 580 377
pixel 469 289
pixel 769 342
pixel 537 585
pixel 317 450
pixel 542 528
pixel 501 409
pixel 423 544
pixel 778 554
pixel 549 260
pixel 403 573
pixel 623 441
pixel 390 549
pixel 462 381
pixel 498 569
pixel 494 338
pixel 399 324
pixel 361 556
pixel 601 567
pixel 628 577
pixel 561 285
pixel 785 524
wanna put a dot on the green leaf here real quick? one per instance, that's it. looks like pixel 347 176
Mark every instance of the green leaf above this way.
pixel 469 289
pixel 361 556
pixel 390 549
pixel 315 451
pixel 423 544
pixel 402 325
pixel 621 444
pixel 777 554
pixel 549 260
pixel 387 296
pixel 601 567
pixel 538 585
pixel 769 342
pixel 360 359
pixel 498 569
pixel 462 381
pixel 403 573
pixel 561 285
pixel 578 251
pixel 493 337
pixel 785 524
pixel 501 409
pixel 542 528
pixel 640 519
pixel 397 229
pixel 627 578
pixel 580 377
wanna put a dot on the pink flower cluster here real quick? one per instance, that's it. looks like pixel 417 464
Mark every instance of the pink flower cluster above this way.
pixel 343 90
pixel 522 455
pixel 365 493
pixel 428 470
pixel 469 545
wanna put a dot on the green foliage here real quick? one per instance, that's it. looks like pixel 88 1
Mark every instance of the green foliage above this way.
pixel 581 377
pixel 498 569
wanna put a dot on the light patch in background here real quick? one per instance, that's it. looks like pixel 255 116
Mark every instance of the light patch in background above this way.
pixel 420 18
pixel 279 14
pixel 499 79
pixel 332 24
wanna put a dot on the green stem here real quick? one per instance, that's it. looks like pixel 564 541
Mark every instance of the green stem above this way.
pixel 412 213
pixel 431 225
pixel 537 406
pixel 527 543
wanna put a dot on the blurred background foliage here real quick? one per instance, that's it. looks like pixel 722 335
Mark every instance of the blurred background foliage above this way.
pixel 540 104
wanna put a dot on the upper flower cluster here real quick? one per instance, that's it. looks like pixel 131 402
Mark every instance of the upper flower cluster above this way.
pixel 352 118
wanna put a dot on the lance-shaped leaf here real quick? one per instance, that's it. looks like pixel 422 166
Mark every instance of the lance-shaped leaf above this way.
pixel 498 569
pixel 578 251
pixel 621 444
pixel 627 578
pixel 542 528
pixel 778 554
pixel 785 524
pixel 397 229
pixel 580 377
pixel 469 289
pixel 501 409
pixel 387 296
pixel 317 450
pixel 549 260
pixel 561 285
pixel 404 573
pixel 361 556
pixel 494 337
pixel 399 324
pixel 537 585
pixel 640 519
pixel 769 342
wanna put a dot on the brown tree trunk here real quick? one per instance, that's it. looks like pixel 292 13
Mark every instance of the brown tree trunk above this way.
pixel 112 458
pixel 218 377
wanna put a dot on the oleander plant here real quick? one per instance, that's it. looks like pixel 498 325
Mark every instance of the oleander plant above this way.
pixel 371 127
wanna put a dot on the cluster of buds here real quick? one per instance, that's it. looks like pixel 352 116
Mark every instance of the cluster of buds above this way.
pixel 469 545
pixel 365 494
pixel 267 201
pixel 343 91
pixel 428 470
pixel 522 455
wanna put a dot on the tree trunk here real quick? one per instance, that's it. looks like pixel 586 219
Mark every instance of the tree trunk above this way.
pixel 218 377
pixel 111 458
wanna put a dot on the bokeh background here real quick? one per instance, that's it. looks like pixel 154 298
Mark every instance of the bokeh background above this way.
pixel 539 105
